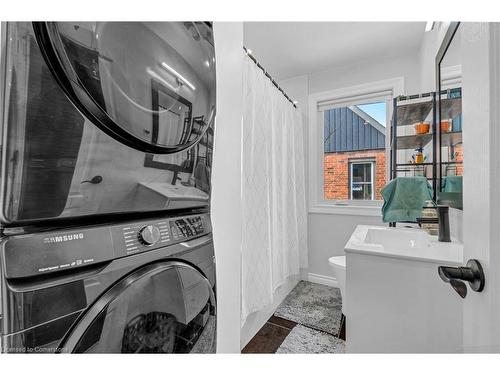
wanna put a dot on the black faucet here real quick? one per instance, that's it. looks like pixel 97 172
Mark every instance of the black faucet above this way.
pixel 175 177
pixel 443 221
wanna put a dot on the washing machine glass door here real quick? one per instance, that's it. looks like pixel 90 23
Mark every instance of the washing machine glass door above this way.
pixel 150 85
pixel 164 307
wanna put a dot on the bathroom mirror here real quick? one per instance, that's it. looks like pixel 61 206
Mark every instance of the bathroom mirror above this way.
pixel 172 116
pixel 449 119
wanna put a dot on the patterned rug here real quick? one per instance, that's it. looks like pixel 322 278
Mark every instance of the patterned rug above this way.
pixel 314 306
pixel 303 340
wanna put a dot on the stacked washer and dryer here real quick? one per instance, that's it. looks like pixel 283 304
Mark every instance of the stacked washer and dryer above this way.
pixel 107 137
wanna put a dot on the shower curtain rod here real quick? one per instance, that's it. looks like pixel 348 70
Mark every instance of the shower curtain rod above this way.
pixel 249 54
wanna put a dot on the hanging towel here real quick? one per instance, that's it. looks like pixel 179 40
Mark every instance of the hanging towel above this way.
pixel 404 198
pixel 452 184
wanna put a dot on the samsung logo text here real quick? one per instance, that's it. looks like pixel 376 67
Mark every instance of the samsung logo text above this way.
pixel 63 238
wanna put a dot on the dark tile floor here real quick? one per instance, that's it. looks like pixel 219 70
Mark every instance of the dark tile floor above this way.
pixel 273 333
pixel 270 336
pixel 342 328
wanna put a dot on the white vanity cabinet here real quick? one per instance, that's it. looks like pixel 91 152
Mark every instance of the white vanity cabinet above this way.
pixel 397 302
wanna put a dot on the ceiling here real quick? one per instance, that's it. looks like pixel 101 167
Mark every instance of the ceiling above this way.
pixel 289 49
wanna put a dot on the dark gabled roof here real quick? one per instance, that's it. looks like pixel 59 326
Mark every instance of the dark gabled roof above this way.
pixel 351 129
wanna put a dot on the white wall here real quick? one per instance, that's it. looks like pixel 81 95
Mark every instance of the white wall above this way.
pixel 328 233
pixel 480 61
pixel 427 57
pixel 226 183
pixel 373 68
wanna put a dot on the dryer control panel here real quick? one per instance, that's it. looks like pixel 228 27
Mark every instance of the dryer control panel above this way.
pixel 43 253
pixel 187 227
pixel 141 236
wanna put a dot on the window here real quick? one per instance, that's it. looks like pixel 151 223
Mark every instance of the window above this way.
pixel 361 180
pixel 349 143
pixel 355 132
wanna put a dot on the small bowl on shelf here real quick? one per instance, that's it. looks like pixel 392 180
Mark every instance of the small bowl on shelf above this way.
pixel 422 127
pixel 445 126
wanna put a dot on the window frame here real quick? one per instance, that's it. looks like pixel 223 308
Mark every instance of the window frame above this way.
pixel 378 91
pixel 353 162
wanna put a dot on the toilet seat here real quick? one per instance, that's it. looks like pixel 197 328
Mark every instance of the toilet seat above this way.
pixel 338 263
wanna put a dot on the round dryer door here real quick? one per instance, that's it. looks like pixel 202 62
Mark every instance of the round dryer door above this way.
pixel 164 307
pixel 150 85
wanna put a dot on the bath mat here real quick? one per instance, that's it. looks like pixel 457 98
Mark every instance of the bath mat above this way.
pixel 313 305
pixel 304 340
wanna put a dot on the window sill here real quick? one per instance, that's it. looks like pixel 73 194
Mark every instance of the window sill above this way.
pixel 353 210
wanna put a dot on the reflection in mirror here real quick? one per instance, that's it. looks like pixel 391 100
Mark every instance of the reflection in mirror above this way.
pixel 449 121
pixel 52 150
pixel 119 74
pixel 171 116
pixel 173 124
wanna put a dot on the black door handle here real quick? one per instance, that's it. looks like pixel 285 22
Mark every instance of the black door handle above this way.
pixel 94 180
pixel 472 273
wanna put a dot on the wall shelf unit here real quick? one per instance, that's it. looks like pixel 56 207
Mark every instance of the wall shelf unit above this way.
pixel 411 142
pixel 451 139
pixel 439 147
pixel 409 110
pixel 413 112
pixel 451 107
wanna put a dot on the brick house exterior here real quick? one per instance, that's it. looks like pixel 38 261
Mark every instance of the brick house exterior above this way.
pixel 336 172
pixel 351 135
pixel 460 157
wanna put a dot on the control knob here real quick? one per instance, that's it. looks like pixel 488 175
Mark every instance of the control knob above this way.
pixel 149 235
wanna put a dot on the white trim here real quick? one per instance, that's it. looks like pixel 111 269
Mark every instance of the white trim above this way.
pixel 322 279
pixel 394 85
pixel 451 77
pixel 372 182
pixel 379 90
pixel 346 209
pixel 353 100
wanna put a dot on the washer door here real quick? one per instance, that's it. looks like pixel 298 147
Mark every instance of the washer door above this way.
pixel 150 85
pixel 163 307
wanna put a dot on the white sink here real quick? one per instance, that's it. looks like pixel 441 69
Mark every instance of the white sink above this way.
pixel 176 191
pixel 397 238
pixel 407 243
pixel 172 196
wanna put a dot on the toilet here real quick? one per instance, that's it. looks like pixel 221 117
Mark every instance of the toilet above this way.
pixel 338 265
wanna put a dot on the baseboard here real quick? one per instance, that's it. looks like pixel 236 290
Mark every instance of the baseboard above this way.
pixel 322 279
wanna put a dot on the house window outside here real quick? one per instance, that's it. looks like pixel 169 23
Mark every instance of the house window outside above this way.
pixel 355 152
pixel 361 180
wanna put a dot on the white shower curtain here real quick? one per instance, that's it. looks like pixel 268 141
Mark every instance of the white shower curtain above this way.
pixel 273 191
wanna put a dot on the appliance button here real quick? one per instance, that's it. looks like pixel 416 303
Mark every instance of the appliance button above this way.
pixel 149 235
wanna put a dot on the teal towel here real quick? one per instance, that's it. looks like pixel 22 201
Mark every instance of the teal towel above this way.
pixel 452 184
pixel 404 198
